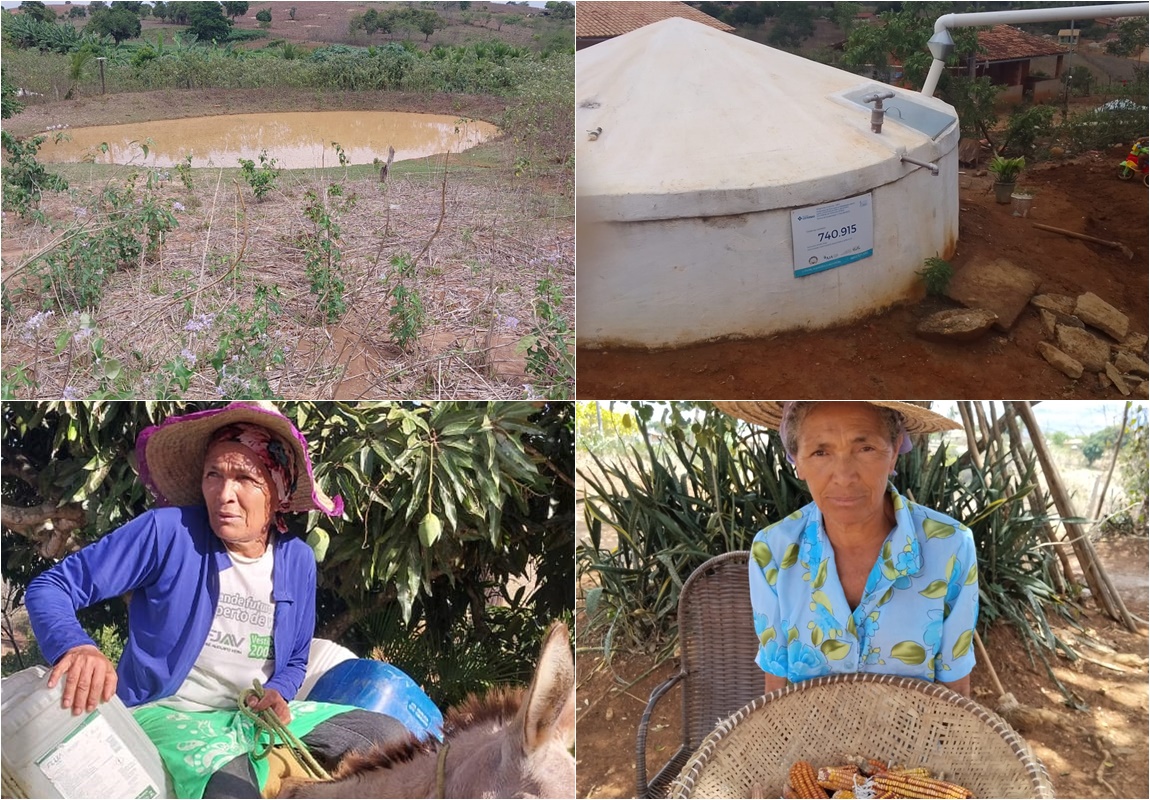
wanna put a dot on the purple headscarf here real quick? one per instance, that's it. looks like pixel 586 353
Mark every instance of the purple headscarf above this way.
pixel 276 456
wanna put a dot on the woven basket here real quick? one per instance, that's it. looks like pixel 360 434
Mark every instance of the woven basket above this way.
pixel 830 720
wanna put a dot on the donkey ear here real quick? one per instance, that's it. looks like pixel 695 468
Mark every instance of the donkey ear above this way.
pixel 549 709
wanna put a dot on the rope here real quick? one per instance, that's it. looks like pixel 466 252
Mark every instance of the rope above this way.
pixel 268 722
pixel 441 772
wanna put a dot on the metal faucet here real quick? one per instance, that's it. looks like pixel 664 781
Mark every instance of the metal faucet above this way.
pixel 877 114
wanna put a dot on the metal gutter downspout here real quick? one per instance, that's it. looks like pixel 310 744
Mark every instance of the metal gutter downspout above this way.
pixel 941 45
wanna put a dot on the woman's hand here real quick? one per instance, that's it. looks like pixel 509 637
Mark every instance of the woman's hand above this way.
pixel 89 678
pixel 274 700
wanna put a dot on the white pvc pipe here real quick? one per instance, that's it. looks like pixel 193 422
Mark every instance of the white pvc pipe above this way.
pixel 947 21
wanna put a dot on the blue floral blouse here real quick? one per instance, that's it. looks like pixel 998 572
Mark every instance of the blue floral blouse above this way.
pixel 917 613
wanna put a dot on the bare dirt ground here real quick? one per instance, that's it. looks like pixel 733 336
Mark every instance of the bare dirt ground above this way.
pixel 499 236
pixel 880 357
pixel 1108 740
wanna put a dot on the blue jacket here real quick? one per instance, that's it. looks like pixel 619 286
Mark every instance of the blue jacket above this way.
pixel 170 560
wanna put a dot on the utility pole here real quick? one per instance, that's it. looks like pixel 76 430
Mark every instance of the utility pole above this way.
pixel 103 87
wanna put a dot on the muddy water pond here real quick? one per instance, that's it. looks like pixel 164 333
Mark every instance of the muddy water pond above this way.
pixel 297 140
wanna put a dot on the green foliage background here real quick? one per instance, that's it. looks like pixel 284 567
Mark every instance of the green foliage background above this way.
pixel 696 483
pixel 459 616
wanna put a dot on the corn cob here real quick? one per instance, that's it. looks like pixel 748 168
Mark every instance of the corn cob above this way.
pixel 846 794
pixel 916 772
pixel 875 767
pixel 804 781
pixel 912 786
pixel 834 778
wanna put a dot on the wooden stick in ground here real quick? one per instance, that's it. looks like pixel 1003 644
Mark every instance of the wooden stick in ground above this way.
pixel 1126 251
pixel 1108 598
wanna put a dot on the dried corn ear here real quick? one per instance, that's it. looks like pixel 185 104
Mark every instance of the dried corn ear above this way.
pixel 913 786
pixel 834 778
pixel 804 781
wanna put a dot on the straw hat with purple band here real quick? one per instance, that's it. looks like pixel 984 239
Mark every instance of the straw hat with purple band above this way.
pixel 769 414
pixel 171 454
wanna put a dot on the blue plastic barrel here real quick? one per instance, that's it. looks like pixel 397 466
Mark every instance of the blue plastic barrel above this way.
pixel 377 686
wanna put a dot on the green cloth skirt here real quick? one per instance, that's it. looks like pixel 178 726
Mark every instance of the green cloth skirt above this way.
pixel 194 744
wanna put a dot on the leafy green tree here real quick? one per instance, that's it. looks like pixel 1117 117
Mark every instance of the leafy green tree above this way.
pixel 794 23
pixel 9 105
pixel 159 9
pixel 499 478
pixel 1092 450
pixel 130 5
pixel 1131 37
pixel 77 12
pixel 560 9
pixel 207 21
pixel 264 17
pixel 843 15
pixel 1135 465
pixel 37 10
pixel 96 5
pixel 237 9
pixel 428 22
pixel 902 35
pixel 119 23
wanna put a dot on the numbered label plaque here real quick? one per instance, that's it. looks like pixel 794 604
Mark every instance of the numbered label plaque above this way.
pixel 832 234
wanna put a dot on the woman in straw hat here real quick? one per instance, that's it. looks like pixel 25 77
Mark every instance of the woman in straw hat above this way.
pixel 221 594
pixel 862 579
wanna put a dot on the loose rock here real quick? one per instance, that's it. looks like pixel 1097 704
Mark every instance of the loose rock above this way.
pixel 1143 389
pixel 1049 322
pixel 1063 304
pixel 1084 347
pixel 956 325
pixel 1136 343
pixel 1060 360
pixel 998 285
pixel 1093 310
pixel 1126 362
pixel 1116 378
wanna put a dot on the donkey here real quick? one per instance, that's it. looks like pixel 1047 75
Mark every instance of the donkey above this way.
pixel 509 743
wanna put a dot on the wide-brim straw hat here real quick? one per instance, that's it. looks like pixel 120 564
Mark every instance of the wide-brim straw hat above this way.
pixel 769 414
pixel 171 455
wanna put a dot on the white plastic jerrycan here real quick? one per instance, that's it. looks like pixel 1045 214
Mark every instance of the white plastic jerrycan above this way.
pixel 47 752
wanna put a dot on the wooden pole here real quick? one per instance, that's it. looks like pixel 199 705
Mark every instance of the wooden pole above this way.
pixel 968 426
pixel 1108 598
pixel 1096 508
pixel 1061 576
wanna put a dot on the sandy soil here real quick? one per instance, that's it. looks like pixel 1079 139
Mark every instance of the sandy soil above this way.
pixel 870 359
pixel 1107 740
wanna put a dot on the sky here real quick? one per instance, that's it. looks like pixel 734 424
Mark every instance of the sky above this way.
pixel 1073 417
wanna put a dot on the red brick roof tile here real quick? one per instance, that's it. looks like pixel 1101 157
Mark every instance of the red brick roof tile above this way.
pixel 595 20
pixel 1007 43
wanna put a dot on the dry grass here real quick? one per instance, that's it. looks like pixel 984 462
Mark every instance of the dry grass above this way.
pixel 499 237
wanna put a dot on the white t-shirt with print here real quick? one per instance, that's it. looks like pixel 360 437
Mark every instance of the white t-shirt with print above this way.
pixel 239 645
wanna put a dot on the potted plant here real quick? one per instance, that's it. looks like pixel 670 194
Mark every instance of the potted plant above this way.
pixel 1005 171
pixel 1020 200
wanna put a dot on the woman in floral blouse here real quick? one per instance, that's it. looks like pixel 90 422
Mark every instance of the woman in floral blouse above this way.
pixel 862 579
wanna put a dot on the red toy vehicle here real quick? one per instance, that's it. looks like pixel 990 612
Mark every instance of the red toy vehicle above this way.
pixel 1136 163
